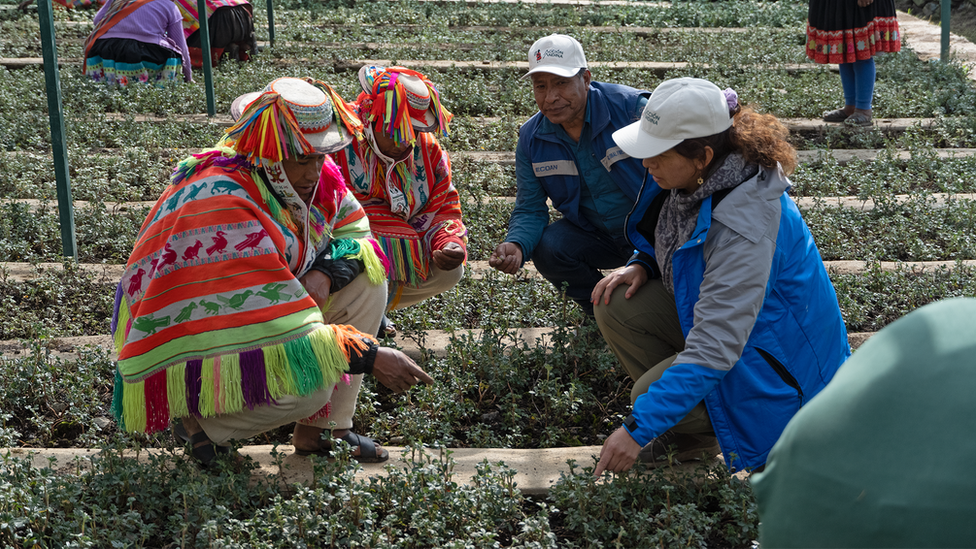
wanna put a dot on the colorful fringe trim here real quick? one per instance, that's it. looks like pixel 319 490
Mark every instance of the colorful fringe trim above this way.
pixel 268 132
pixel 232 382
pixel 407 258
pixel 388 103
pixel 849 46
pixel 343 111
pixel 221 155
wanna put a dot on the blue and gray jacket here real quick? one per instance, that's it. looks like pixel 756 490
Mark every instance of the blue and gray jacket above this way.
pixel 763 329
pixel 551 170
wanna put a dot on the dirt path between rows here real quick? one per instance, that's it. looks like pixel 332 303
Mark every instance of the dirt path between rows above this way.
pixel 926 40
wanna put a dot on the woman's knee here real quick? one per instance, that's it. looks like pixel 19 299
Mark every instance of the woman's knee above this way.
pixel 607 314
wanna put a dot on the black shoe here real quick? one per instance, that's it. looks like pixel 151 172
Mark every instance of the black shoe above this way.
pixel 675 448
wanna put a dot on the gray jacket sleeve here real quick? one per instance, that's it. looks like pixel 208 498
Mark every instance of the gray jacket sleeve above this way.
pixel 738 251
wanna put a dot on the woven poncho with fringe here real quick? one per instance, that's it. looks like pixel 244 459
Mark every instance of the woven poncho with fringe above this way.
pixel 210 316
pixel 412 206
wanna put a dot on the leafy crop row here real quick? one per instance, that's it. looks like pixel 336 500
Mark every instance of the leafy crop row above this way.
pixel 134 174
pixel 113 500
pixel 77 303
pixel 491 390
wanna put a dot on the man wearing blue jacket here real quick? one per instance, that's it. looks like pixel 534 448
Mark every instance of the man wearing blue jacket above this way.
pixel 566 154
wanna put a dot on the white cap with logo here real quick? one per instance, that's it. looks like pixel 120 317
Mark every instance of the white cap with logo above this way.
pixel 557 54
pixel 679 109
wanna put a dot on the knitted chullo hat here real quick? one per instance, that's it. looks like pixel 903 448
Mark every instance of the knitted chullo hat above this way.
pixel 403 101
pixel 291 117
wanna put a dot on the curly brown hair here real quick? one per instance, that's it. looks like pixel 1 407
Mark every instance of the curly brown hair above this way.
pixel 759 138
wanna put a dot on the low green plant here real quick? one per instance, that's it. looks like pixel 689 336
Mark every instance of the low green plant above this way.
pixel 564 389
pixel 54 402
pixel 917 228
pixel 663 507
pixel 58 302
pixel 872 300
pixel 139 498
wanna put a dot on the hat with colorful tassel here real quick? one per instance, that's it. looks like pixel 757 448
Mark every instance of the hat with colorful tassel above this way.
pixel 403 101
pixel 291 117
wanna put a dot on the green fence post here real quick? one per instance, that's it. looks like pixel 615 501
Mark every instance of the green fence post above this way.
pixel 946 4
pixel 205 53
pixel 58 148
pixel 270 24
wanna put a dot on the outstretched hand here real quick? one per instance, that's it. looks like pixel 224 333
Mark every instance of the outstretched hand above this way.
pixel 506 258
pixel 619 453
pixel 633 275
pixel 398 371
pixel 449 257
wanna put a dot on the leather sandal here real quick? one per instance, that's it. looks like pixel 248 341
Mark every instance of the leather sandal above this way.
pixel 366 445
pixel 367 448
pixel 838 115
pixel 859 118
pixel 205 454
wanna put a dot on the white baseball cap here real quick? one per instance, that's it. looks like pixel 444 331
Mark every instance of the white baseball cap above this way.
pixel 678 109
pixel 557 54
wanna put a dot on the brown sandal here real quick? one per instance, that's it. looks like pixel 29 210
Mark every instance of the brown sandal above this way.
pixel 859 118
pixel 838 115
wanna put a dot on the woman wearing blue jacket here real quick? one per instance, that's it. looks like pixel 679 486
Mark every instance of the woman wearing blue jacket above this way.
pixel 725 317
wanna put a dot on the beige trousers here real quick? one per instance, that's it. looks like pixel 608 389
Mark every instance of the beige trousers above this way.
pixel 645 335
pixel 359 304
pixel 437 282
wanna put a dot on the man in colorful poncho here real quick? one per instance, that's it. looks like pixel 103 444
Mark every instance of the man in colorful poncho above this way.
pixel 219 314
pixel 402 176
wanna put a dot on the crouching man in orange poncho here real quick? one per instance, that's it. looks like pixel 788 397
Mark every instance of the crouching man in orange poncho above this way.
pixel 219 315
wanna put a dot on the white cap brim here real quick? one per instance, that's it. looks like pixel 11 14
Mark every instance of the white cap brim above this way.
pixel 324 142
pixel 638 144
pixel 552 69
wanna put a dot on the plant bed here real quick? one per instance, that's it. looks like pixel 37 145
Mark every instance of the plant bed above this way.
pixel 162 500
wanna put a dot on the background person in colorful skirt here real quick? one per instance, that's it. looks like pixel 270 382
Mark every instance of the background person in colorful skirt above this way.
pixel 725 318
pixel 231 29
pixel 402 177
pixel 137 41
pixel 849 33
pixel 566 154
pixel 218 320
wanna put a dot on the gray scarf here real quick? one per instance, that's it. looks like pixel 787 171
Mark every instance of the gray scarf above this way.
pixel 680 212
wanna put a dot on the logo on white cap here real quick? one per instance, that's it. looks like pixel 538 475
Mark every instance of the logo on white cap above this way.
pixel 679 109
pixel 558 54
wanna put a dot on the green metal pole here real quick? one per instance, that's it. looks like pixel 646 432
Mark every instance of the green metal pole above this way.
pixel 945 30
pixel 270 24
pixel 205 53
pixel 56 117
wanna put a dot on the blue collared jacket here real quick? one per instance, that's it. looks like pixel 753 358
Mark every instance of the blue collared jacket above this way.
pixel 554 171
